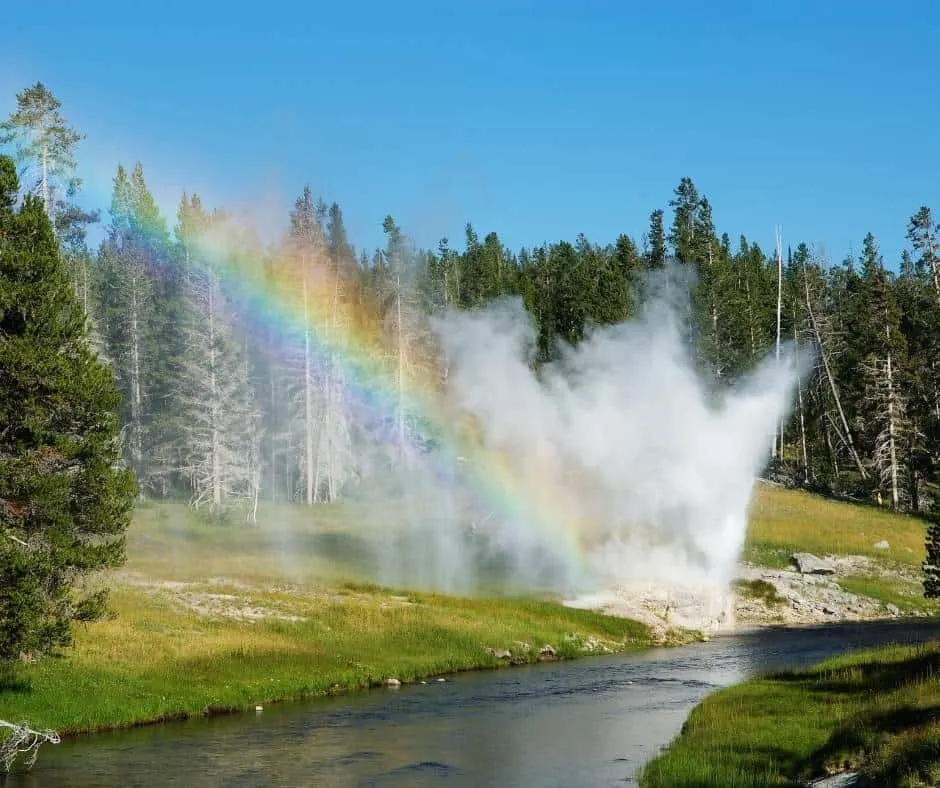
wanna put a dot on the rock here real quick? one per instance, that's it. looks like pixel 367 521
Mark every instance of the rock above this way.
pixel 259 708
pixel 882 545
pixel 546 653
pixel 841 780
pixel 441 681
pixel 894 610
pixel 502 654
pixel 392 683
pixel 828 611
pixel 809 564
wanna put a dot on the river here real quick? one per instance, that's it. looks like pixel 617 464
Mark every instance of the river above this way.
pixel 589 722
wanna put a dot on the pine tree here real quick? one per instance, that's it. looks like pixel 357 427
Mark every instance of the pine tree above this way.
pixel 405 330
pixel 883 414
pixel 127 314
pixel 220 424
pixel 656 241
pixel 924 236
pixel 64 502
pixel 45 147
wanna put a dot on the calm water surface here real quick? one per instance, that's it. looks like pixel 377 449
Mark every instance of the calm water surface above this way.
pixel 585 723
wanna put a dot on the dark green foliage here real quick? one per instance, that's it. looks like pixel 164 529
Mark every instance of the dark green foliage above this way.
pixel 932 564
pixel 64 503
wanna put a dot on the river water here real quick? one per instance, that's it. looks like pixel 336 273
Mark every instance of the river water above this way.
pixel 590 722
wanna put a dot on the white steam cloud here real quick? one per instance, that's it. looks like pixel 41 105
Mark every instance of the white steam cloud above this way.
pixel 629 447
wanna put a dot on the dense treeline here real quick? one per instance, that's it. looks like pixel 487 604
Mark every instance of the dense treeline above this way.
pixel 222 404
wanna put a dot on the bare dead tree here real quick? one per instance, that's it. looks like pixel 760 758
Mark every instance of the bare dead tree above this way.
pixel 22 741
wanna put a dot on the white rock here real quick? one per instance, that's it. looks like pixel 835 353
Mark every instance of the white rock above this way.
pixel 882 545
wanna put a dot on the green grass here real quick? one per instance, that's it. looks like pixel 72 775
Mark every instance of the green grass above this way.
pixel 876 710
pixel 786 521
pixel 759 589
pixel 159 658
pixel 907 595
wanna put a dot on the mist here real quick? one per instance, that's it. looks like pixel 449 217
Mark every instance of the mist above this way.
pixel 632 469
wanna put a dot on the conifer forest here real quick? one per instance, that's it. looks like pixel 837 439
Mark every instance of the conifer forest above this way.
pixel 209 416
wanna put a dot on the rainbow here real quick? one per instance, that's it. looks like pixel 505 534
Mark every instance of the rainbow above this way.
pixel 273 308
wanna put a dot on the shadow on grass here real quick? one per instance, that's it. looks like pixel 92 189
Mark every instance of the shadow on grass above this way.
pixel 10 682
pixel 874 676
pixel 861 733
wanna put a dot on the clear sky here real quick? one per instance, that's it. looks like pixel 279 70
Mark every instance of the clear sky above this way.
pixel 536 119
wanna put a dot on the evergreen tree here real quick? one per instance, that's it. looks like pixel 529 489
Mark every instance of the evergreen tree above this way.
pixel 128 309
pixel 883 412
pixel 656 241
pixel 220 424
pixel 924 236
pixel 64 502
pixel 45 147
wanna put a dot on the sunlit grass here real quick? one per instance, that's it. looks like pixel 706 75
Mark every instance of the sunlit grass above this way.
pixel 158 658
pixel 787 521
pixel 874 710
pixel 907 595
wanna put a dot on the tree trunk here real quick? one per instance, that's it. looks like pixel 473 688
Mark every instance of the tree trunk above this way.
pixel 136 396
pixel 892 427
pixel 216 407
pixel 832 454
pixel 750 313
pixel 778 450
pixel 308 400
pixel 829 377
pixel 799 399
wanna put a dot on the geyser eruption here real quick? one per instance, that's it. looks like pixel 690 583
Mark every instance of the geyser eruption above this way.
pixel 643 470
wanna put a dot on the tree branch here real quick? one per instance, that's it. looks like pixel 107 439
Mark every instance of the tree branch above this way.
pixel 23 740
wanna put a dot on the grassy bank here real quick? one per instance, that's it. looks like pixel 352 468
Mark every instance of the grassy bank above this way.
pixel 211 618
pixel 877 711
pixel 783 522
pixel 214 617
pixel 786 521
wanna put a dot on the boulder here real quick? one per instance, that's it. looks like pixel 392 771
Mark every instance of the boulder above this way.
pixel 882 545
pixel 392 683
pixel 894 610
pixel 499 653
pixel 809 564
pixel 546 653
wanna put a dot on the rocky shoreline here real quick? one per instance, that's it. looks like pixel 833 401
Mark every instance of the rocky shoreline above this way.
pixel 806 593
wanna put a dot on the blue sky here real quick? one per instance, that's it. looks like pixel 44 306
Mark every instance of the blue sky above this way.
pixel 537 120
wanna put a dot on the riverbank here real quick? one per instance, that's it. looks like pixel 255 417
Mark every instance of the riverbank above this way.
pixel 873 713
pixel 212 618
pixel 858 563
pixel 180 650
